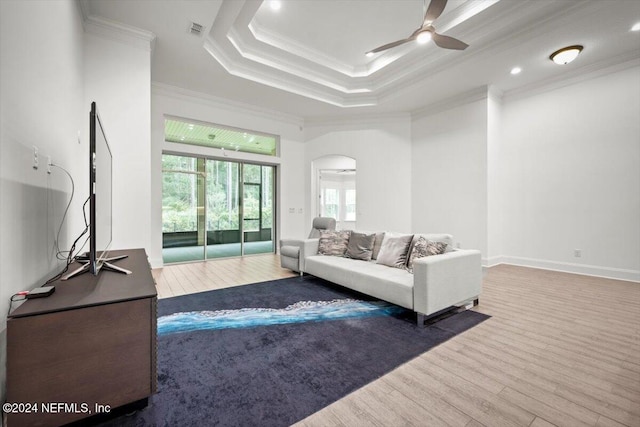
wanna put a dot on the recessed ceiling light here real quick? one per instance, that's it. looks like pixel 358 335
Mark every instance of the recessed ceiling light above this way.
pixel 369 54
pixel 423 37
pixel 566 54
pixel 516 70
pixel 636 27
pixel 275 4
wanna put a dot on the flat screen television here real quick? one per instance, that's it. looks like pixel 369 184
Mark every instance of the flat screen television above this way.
pixel 100 202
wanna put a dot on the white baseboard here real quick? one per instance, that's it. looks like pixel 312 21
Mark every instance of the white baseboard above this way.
pixel 156 262
pixel 567 267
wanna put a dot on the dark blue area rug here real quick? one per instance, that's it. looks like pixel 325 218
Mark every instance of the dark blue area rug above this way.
pixel 273 353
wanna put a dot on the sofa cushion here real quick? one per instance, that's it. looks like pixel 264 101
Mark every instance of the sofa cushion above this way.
pixel 379 281
pixel 394 250
pixel 333 243
pixel 360 246
pixel 422 248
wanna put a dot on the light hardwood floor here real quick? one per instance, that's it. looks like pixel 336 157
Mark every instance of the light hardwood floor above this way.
pixel 560 349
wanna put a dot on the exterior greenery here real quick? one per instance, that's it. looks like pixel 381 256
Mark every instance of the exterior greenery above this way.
pixel 184 194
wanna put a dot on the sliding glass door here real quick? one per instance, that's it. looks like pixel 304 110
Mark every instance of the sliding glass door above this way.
pixel 182 208
pixel 258 209
pixel 216 208
pixel 223 209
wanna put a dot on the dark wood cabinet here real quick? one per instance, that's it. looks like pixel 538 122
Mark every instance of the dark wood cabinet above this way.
pixel 87 348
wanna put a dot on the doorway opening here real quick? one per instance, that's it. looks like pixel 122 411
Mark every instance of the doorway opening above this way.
pixel 335 190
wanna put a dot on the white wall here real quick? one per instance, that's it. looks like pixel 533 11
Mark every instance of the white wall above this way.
pixel 118 79
pixel 42 105
pixel 180 103
pixel 449 174
pixel 495 178
pixel 382 150
pixel 571 160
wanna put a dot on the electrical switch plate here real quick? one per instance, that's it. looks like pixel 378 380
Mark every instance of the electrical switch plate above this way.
pixel 35 157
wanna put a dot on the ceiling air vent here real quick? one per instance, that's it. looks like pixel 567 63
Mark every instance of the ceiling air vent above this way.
pixel 195 28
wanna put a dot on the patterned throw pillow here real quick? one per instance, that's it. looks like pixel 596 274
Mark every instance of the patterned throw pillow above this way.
pixel 423 248
pixel 333 243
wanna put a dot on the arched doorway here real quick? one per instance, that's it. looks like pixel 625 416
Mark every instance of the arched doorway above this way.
pixel 334 189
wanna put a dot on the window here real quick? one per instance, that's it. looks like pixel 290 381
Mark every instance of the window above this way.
pixel 331 203
pixel 191 132
pixel 338 195
pixel 350 205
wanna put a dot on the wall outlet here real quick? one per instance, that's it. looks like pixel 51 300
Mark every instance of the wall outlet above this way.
pixel 35 157
pixel 300 211
pixel 292 210
pixel 577 253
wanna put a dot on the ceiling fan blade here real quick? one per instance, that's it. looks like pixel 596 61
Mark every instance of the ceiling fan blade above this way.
pixel 436 7
pixel 448 42
pixel 390 45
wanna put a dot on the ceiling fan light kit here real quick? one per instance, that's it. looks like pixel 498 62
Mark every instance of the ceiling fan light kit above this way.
pixel 566 54
pixel 423 37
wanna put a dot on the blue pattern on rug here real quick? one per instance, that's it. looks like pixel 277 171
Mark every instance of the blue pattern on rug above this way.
pixel 273 375
pixel 302 311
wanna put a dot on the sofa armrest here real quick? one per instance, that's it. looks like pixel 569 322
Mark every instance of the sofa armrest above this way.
pixel 307 248
pixel 290 242
pixel 441 281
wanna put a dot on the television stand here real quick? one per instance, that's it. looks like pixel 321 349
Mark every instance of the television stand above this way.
pixel 106 265
pixel 92 343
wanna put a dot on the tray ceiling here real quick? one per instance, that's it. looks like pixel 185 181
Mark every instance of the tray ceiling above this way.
pixel 307 59
pixel 298 50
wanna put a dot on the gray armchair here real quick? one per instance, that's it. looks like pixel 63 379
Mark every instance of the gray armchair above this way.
pixel 292 250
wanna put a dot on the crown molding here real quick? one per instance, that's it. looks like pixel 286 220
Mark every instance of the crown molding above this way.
pixel 456 101
pixel 271 38
pixel 247 49
pixel 187 95
pixel 295 67
pixel 293 84
pixel 84 8
pixel 577 75
pixel 117 31
pixel 371 120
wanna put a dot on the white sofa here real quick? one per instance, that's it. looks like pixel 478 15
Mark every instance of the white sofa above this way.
pixel 438 282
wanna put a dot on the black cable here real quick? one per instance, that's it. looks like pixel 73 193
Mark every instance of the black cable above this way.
pixel 12 300
pixel 71 257
pixel 60 254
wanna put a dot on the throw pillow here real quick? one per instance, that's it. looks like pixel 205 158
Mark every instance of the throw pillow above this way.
pixel 394 250
pixel 377 245
pixel 360 246
pixel 333 243
pixel 423 248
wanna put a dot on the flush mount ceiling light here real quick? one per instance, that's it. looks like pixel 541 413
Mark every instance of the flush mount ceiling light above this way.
pixel 516 70
pixel 566 54
pixel 636 27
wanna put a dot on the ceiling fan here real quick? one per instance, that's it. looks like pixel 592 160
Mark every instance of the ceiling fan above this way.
pixel 426 32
